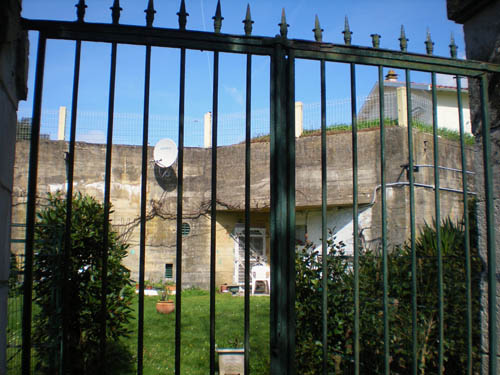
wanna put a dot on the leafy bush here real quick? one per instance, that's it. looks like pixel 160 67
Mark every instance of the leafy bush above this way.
pixel 14 271
pixel 83 283
pixel 341 306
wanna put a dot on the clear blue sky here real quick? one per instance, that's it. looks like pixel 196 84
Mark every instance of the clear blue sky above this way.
pixel 365 17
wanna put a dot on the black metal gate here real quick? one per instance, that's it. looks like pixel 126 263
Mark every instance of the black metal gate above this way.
pixel 283 53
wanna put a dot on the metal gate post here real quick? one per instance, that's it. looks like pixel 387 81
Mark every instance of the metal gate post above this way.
pixel 282 317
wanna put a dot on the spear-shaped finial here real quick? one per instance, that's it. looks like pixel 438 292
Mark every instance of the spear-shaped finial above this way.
pixel 283 25
pixel 218 18
pixel 115 12
pixel 248 22
pixel 318 31
pixel 150 14
pixel 403 42
pixel 375 40
pixel 453 47
pixel 429 44
pixel 80 10
pixel 347 32
pixel 182 16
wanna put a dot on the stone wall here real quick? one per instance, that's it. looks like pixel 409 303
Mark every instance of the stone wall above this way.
pixel 13 65
pixel 162 198
pixel 482 41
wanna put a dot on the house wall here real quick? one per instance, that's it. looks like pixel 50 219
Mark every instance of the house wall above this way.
pixel 448 112
pixel 395 106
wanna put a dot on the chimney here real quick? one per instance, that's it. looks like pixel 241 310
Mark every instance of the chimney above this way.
pixel 391 76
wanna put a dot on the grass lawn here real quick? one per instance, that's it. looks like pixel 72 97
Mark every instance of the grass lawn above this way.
pixel 159 333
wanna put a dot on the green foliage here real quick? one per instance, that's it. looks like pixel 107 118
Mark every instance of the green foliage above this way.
pixel 14 285
pixel 341 309
pixel 452 135
pixel 308 308
pixel 338 128
pixel 83 283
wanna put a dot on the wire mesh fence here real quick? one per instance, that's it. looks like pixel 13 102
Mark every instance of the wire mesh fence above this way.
pixel 14 314
pixel 128 127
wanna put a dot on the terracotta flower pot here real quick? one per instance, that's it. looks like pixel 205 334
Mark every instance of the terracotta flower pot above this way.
pixel 165 307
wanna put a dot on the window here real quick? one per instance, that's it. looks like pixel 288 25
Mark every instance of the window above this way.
pixel 300 235
pixel 169 271
pixel 186 229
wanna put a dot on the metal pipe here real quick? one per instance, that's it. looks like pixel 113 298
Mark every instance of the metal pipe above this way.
pixel 443 168
pixel 406 183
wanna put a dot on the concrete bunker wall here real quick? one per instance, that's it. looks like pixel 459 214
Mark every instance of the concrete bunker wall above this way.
pixel 162 204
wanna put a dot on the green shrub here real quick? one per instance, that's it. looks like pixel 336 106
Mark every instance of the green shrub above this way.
pixel 83 283
pixel 14 271
pixel 341 306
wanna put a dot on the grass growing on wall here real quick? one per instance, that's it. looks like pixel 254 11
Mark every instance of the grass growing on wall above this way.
pixel 451 135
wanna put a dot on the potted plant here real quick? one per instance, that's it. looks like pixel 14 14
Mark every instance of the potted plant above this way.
pixel 164 304
pixel 170 286
pixel 232 360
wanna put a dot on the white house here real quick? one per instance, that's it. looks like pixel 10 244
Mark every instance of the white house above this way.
pixel 396 106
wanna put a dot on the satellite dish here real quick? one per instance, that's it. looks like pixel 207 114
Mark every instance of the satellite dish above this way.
pixel 165 153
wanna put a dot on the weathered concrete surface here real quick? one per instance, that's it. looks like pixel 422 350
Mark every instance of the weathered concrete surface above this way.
pixel 162 204
pixel 482 39
pixel 13 57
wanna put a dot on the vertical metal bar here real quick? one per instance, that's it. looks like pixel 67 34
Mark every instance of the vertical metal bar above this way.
pixel 64 361
pixel 490 227
pixel 247 210
pixel 213 210
pixel 385 271
pixel 467 228
pixel 438 225
pixel 144 179
pixel 279 215
pixel 273 114
pixel 412 226
pixel 31 207
pixel 107 207
pixel 324 248
pixel 290 217
pixel 180 185
pixel 355 216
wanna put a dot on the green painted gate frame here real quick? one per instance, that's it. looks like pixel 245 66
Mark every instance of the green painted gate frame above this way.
pixel 282 52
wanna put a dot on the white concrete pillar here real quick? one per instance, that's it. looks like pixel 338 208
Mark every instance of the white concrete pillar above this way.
pixel 299 119
pixel 207 126
pixel 402 106
pixel 61 128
